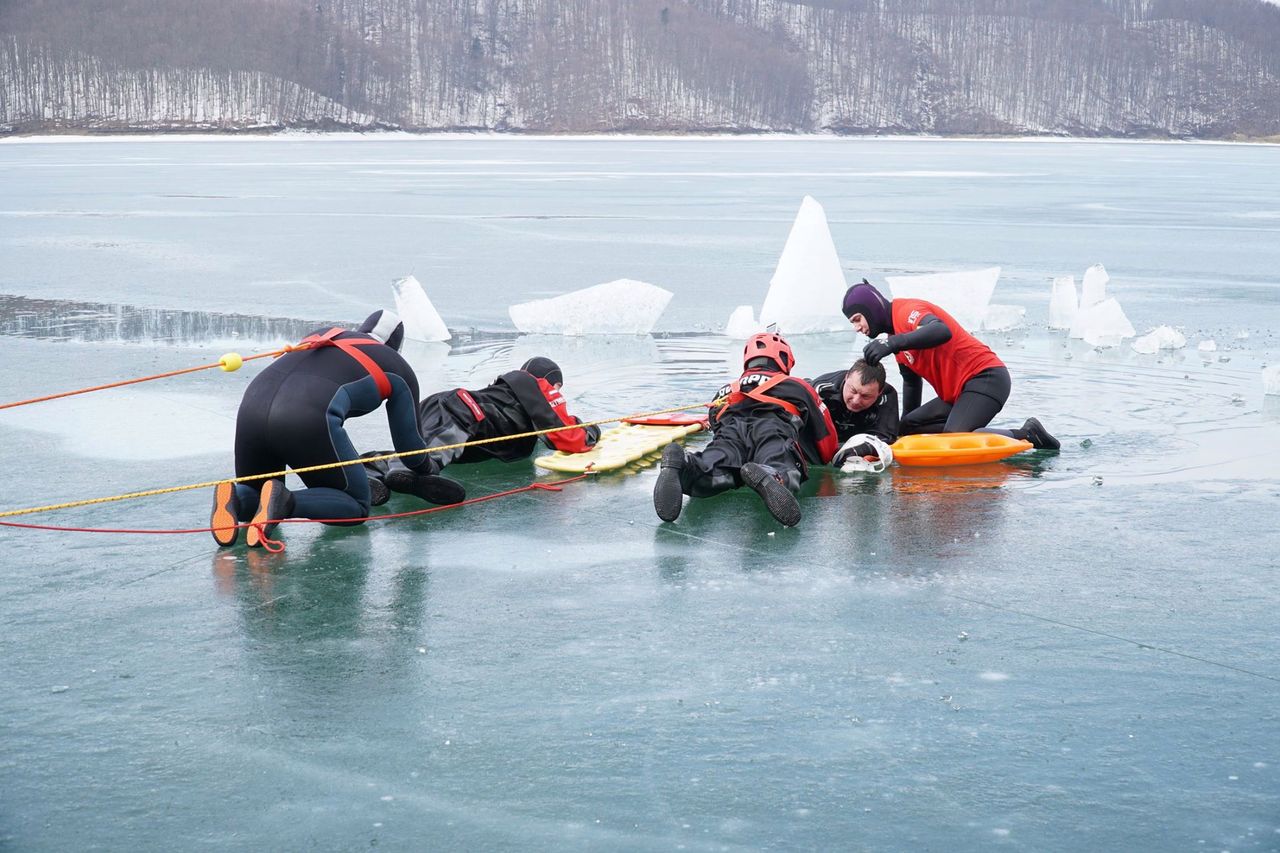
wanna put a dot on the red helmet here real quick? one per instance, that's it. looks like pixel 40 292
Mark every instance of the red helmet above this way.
pixel 771 346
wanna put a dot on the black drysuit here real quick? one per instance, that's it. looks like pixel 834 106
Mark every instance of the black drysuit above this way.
pixel 293 412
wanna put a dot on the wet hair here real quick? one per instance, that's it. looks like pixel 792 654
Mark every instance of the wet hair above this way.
pixel 544 368
pixel 869 372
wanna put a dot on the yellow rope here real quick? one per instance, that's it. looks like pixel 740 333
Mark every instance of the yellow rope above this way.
pixel 360 461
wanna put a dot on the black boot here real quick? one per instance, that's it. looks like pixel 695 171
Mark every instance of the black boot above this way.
pixel 668 496
pixel 377 471
pixel 432 488
pixel 778 499
pixel 1039 436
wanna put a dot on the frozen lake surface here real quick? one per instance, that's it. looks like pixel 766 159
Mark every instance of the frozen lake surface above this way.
pixel 1062 652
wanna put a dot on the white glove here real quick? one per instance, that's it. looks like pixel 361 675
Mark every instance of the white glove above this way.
pixel 850 461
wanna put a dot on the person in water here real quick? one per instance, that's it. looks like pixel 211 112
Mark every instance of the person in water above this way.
pixel 767 425
pixel 292 414
pixel 518 401
pixel 862 403
pixel 971 382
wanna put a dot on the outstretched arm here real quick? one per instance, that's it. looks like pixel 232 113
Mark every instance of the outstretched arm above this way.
pixel 932 332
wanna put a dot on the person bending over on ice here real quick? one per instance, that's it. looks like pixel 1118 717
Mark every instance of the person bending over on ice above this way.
pixel 292 415
pixel 519 401
pixel 864 409
pixel 767 425
pixel 972 383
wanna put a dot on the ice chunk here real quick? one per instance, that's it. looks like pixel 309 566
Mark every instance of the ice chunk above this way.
pixel 1208 346
pixel 808 284
pixel 742 322
pixel 621 307
pixel 421 320
pixel 1002 318
pixel 1094 287
pixel 1064 303
pixel 1271 380
pixel 1103 325
pixel 963 295
pixel 1161 337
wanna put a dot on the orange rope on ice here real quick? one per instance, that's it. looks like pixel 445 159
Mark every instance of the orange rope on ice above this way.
pixel 229 362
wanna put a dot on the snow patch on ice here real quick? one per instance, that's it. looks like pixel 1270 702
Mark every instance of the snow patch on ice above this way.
pixel 421 320
pixel 993 676
pixel 963 295
pixel 1209 345
pixel 808 283
pixel 621 307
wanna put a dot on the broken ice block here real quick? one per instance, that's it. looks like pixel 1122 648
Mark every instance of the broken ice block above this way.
pixel 1103 325
pixel 1271 380
pixel 421 320
pixel 742 322
pixel 1161 337
pixel 1094 287
pixel 963 295
pixel 1208 346
pixel 1002 318
pixel 808 284
pixel 1064 302
pixel 621 307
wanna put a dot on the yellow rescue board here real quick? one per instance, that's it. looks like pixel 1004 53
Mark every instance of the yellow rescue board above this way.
pixel 955 448
pixel 618 447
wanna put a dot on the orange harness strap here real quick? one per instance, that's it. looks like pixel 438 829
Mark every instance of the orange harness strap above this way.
pixel 351 347
pixel 758 394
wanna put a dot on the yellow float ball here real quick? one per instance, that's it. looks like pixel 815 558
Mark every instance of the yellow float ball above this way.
pixel 231 361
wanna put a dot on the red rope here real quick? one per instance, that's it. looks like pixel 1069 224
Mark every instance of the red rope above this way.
pixel 275 546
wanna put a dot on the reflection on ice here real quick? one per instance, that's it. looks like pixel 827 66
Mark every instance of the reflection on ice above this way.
pixel 1064 303
pixel 1271 380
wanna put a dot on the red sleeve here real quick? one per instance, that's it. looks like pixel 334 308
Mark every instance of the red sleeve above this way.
pixel 570 440
pixel 821 429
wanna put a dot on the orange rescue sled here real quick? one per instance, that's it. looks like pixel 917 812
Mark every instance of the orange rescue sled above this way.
pixel 955 448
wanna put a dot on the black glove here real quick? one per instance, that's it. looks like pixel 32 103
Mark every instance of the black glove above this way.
pixel 593 434
pixel 877 350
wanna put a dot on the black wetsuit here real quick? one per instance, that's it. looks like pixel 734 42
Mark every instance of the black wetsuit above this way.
pixel 751 430
pixel 515 403
pixel 879 419
pixel 292 415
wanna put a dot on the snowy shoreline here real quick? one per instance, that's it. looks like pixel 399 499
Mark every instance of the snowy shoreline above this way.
pixel 407 136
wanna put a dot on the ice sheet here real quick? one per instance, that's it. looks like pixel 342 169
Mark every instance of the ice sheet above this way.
pixel 421 320
pixel 963 295
pixel 1063 303
pixel 620 307
pixel 808 283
